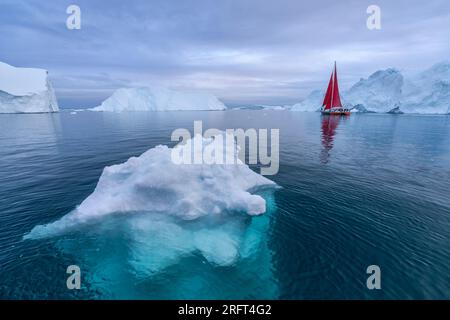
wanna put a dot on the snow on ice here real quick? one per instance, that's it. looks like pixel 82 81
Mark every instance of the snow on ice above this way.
pixel 158 99
pixel 25 90
pixel 389 91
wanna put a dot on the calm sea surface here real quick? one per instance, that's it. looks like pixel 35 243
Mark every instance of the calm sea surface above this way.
pixel 366 190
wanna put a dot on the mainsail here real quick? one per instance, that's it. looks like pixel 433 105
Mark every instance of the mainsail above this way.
pixel 332 98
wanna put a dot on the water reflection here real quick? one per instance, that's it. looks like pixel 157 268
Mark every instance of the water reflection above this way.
pixel 329 125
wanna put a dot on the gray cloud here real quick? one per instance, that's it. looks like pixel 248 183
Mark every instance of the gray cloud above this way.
pixel 246 52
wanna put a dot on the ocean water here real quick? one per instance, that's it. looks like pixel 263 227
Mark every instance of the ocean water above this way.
pixel 370 189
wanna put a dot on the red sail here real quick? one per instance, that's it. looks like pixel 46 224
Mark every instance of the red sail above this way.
pixel 336 100
pixel 332 98
pixel 327 100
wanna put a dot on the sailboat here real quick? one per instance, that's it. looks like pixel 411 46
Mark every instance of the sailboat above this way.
pixel 332 102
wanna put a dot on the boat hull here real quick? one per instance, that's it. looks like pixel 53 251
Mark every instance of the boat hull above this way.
pixel 336 113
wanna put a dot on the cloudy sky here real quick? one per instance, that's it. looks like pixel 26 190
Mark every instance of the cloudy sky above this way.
pixel 244 51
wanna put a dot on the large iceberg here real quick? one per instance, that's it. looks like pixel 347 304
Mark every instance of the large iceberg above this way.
pixel 25 90
pixel 381 92
pixel 389 91
pixel 158 99
pixel 175 208
pixel 153 228
pixel 429 91
pixel 311 103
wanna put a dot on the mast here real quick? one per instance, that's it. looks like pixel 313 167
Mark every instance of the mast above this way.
pixel 332 89
pixel 336 102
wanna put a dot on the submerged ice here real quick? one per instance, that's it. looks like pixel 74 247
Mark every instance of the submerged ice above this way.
pixel 159 212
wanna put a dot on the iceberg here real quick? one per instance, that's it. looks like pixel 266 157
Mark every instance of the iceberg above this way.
pixel 429 91
pixel 276 108
pixel 360 108
pixel 395 110
pixel 262 107
pixel 388 91
pixel 311 103
pixel 158 99
pixel 171 210
pixel 381 92
pixel 25 90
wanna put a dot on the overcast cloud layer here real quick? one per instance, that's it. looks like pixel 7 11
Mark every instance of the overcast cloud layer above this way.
pixel 244 51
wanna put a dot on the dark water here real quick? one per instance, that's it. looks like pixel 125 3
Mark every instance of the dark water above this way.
pixel 370 189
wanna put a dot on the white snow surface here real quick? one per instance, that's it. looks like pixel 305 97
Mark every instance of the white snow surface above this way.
pixel 381 92
pixel 154 184
pixel 311 103
pixel 158 99
pixel 25 90
pixel 426 93
pixel 429 91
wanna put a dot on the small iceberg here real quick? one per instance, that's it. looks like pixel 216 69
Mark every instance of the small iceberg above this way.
pixel 263 107
pixel 311 103
pixel 395 110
